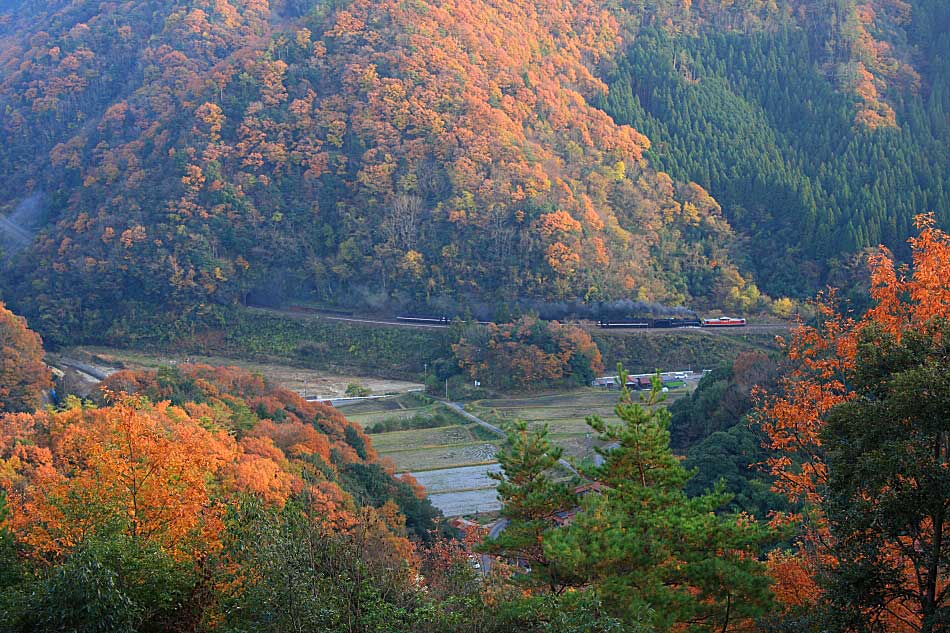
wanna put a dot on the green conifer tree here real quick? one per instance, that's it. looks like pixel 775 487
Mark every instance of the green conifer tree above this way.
pixel 648 549
pixel 532 502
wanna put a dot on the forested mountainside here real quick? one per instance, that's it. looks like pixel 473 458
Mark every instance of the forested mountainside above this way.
pixel 173 157
pixel 801 169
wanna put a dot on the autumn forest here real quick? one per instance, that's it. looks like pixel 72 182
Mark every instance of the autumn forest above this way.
pixel 277 180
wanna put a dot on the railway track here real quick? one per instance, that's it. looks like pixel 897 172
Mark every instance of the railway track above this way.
pixel 762 328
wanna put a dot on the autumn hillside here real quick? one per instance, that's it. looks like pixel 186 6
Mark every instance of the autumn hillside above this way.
pixel 179 157
pixel 165 473
pixel 247 436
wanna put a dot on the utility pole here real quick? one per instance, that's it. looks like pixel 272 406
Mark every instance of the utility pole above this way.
pixel 446 388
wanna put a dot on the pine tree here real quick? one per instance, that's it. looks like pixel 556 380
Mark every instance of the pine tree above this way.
pixel 532 502
pixel 652 552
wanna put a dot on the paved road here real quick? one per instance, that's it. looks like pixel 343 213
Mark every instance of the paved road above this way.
pixel 497 431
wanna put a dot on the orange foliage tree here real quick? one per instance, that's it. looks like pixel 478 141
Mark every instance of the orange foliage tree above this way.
pixel 197 480
pixel 528 353
pixel 143 469
pixel 23 376
pixel 165 473
pixel 479 112
pixel 824 361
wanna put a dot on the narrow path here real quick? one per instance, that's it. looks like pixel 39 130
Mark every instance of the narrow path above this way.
pixel 495 530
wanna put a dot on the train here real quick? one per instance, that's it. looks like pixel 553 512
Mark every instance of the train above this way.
pixel 424 319
pixel 643 323
pixel 667 322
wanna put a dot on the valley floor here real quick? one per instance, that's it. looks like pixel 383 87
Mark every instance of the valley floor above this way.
pixel 451 458
pixel 312 384
pixel 453 461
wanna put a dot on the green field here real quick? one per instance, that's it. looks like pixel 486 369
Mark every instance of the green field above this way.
pixel 422 438
pixel 372 417
pixel 411 411
pixel 564 413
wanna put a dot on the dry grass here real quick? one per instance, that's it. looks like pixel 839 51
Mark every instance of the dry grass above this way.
pixel 386 443
pixel 308 382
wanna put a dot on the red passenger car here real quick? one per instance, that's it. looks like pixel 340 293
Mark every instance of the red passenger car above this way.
pixel 724 322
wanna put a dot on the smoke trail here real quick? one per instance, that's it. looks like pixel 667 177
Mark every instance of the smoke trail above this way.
pixel 550 310
pixel 18 229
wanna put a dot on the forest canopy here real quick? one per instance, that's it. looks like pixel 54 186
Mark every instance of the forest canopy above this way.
pixel 169 159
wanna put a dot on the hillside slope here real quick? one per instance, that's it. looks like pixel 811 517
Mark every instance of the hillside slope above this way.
pixel 177 157
pixel 753 119
pixel 351 152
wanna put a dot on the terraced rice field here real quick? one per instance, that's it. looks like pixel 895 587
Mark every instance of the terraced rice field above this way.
pixel 564 413
pixel 412 450
pixel 367 419
pixel 355 408
pixel 421 439
pixel 452 461
pixel 438 457
pixel 468 502
pixel 464 490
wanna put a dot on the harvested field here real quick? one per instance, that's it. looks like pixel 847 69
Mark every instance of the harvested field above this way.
pixel 458 479
pixel 546 414
pixel 385 443
pixel 573 399
pixel 369 407
pixel 367 419
pixel 458 491
pixel 466 503
pixel 307 382
pixel 564 413
pixel 442 457
pixel 577 446
pixel 568 426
